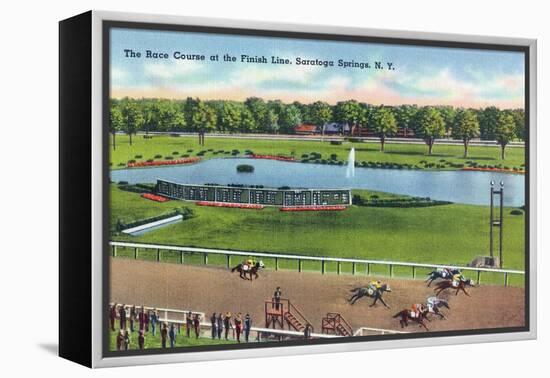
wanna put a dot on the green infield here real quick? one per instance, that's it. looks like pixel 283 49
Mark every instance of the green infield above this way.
pixel 163 147
pixel 154 342
pixel 445 234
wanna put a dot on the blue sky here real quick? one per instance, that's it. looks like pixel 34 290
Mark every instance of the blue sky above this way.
pixel 422 75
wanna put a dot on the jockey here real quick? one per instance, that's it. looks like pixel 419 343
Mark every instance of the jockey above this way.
pixel 417 309
pixel 375 284
pixel 447 272
pixel 247 264
pixel 457 278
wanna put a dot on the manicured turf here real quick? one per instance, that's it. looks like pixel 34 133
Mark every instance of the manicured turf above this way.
pixel 446 234
pixel 153 342
pixel 395 153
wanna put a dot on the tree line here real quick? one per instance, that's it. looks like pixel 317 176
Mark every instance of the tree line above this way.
pixel 255 115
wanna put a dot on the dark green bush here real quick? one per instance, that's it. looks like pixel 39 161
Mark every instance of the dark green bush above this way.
pixel 245 168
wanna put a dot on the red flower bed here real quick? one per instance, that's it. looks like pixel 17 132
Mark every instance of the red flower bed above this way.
pixel 163 162
pixel 314 208
pixel 273 157
pixel 231 205
pixel 492 170
pixel 154 197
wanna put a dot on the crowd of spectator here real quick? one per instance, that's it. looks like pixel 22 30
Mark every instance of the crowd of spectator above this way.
pixel 144 321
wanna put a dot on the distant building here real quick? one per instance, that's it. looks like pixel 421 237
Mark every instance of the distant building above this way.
pixel 306 129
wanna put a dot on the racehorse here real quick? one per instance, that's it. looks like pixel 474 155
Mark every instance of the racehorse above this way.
pixel 252 270
pixel 441 273
pixel 434 303
pixel 450 284
pixel 370 292
pixel 407 315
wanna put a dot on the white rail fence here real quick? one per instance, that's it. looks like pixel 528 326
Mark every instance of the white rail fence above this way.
pixel 205 252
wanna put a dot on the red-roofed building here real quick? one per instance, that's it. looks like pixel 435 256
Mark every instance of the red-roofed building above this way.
pixel 306 129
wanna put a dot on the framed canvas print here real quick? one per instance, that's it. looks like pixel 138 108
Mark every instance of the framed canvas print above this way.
pixel 237 189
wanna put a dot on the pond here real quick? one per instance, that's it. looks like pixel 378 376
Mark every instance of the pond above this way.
pixel 467 187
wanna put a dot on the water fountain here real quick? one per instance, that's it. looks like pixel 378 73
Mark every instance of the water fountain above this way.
pixel 350 171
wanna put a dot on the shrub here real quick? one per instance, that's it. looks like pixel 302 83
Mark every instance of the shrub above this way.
pixel 158 156
pixel 333 157
pixel 336 142
pixel 245 168
pixel 168 157
pixel 305 156
pixel 138 156
pixel 175 153
pixel 131 161
pixel 516 212
pixel 190 150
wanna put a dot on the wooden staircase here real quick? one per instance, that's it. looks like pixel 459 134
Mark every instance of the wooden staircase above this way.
pixel 293 322
pixel 276 314
pixel 336 324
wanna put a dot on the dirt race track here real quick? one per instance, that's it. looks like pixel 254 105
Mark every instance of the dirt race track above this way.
pixel 212 289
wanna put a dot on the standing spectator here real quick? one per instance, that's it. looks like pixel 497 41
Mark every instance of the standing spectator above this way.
pixel 247 326
pixel 146 320
pixel 197 325
pixel 238 326
pixel 120 340
pixel 154 317
pixel 127 339
pixel 141 319
pixel 219 325
pixel 122 316
pixel 307 331
pixel 227 323
pixel 213 324
pixel 172 335
pixel 132 317
pixel 163 335
pixel 188 323
pixel 112 316
pixel 141 339
pixel 277 297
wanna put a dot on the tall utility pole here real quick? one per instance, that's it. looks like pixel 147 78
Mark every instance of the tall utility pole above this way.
pixel 496 221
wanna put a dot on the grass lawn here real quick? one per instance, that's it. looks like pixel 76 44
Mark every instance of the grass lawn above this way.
pixel 446 234
pixel 153 342
pixel 395 153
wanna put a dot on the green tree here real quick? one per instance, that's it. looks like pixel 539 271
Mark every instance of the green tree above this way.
pixel 448 113
pixel 248 124
pixel 320 114
pixel 230 117
pixel 349 112
pixel 382 122
pixel 430 126
pixel 204 117
pixel 404 116
pixel 132 118
pixel 271 122
pixel 519 120
pixel 289 118
pixel 488 122
pixel 258 108
pixel 115 121
pixel 505 131
pixel 465 128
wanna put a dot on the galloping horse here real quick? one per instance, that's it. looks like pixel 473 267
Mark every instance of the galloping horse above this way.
pixel 434 303
pixel 252 270
pixel 450 284
pixel 445 274
pixel 407 315
pixel 370 292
